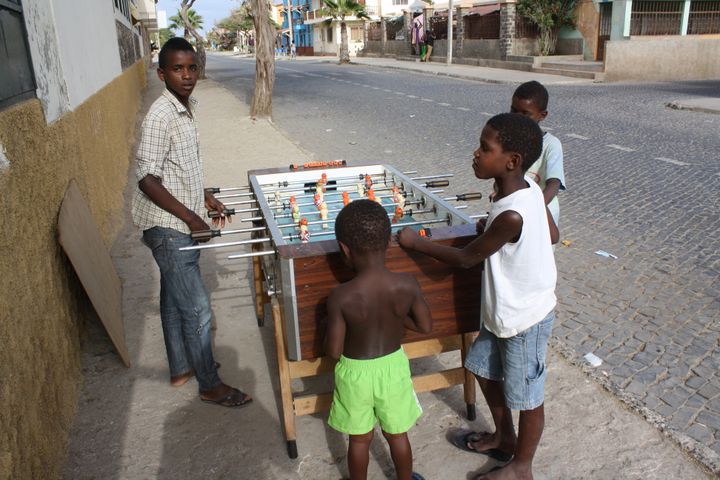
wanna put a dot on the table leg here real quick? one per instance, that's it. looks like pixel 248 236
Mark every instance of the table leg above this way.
pixel 288 411
pixel 469 386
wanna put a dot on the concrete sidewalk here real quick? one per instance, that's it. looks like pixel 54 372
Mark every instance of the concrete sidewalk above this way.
pixel 466 72
pixel 131 424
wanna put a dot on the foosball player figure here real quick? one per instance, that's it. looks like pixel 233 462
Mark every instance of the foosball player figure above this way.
pixel 304 231
pixel 399 214
pixel 324 214
pixel 361 189
pixel 346 198
pixel 319 189
pixel 317 200
pixel 368 182
pixel 323 181
pixel 398 197
pixel 294 209
pixel 371 196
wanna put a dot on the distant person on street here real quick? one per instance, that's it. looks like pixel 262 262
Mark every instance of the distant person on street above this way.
pixel 518 295
pixel 367 318
pixel 293 50
pixel 531 100
pixel 168 205
pixel 429 42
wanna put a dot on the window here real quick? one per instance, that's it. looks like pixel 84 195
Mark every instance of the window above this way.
pixel 400 2
pixel 330 34
pixel 18 79
pixel 122 7
pixel 356 34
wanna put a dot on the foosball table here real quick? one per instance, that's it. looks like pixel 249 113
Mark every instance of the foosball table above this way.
pixel 297 263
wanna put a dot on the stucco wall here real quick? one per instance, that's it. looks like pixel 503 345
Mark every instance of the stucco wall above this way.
pixel 486 48
pixel 40 295
pixel 392 48
pixel 663 58
pixel 89 54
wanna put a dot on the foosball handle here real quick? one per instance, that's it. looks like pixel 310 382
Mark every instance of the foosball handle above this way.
pixel 205 234
pixel 226 212
pixel 437 183
pixel 212 190
pixel 425 232
pixel 469 196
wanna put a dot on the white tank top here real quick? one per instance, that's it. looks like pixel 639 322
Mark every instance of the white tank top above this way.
pixel 518 283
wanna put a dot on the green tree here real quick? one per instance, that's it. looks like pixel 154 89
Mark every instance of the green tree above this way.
pixel 165 35
pixel 550 16
pixel 195 20
pixel 339 10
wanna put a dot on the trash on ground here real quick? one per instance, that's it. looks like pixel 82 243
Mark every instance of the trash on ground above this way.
pixel 567 243
pixel 605 254
pixel 593 359
pixel 328 129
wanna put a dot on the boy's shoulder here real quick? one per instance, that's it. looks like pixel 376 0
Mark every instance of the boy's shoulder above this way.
pixel 550 141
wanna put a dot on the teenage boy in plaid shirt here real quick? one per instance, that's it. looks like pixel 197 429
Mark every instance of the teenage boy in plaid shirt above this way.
pixel 168 206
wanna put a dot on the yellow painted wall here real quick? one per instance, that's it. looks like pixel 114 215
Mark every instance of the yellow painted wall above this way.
pixel 587 19
pixel 39 292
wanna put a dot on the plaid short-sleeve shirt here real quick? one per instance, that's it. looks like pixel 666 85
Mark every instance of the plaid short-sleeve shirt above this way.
pixel 169 150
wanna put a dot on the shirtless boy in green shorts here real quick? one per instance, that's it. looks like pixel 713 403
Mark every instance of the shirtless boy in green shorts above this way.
pixel 367 317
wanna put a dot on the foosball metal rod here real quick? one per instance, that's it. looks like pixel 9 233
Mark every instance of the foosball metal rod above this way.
pixel 480 215
pixel 208 234
pixel 241 202
pixel 409 212
pixel 394 225
pixel 215 190
pixel 261 253
pixel 225 244
pixel 236 195
pixel 432 184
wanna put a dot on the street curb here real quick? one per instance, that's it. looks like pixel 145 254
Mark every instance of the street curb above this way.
pixel 441 74
pixel 703 455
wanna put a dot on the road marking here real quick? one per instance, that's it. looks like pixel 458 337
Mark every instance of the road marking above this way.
pixel 296 76
pixel 463 109
pixel 620 147
pixel 366 86
pixel 546 128
pixel 487 114
pixel 427 100
pixel 575 135
pixel 412 96
pixel 674 162
pixel 376 88
pixel 386 90
pixel 398 93
pixel 444 104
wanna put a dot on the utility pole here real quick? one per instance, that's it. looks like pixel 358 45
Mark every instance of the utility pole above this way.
pixel 448 58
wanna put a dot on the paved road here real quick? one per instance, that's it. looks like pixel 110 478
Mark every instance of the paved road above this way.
pixel 644 185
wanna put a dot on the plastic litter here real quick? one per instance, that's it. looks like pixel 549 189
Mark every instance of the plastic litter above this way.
pixel 605 254
pixel 566 243
pixel 593 359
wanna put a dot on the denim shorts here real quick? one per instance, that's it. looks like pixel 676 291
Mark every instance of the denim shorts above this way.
pixel 518 362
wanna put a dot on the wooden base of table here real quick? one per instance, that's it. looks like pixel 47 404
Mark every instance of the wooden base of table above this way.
pixel 295 405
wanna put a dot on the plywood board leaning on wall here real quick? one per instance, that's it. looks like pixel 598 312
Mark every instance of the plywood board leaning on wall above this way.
pixel 80 239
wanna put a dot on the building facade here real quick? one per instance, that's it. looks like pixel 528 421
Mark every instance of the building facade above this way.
pixel 70 89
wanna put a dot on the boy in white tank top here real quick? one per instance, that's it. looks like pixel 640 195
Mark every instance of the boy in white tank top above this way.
pixel 518 294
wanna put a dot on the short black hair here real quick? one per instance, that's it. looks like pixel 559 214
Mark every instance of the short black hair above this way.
pixel 535 92
pixel 364 226
pixel 519 134
pixel 175 44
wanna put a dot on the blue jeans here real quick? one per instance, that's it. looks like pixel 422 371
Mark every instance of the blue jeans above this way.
pixel 518 362
pixel 184 306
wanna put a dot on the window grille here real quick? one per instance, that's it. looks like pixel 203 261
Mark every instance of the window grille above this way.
pixel 16 72
pixel 704 18
pixel 656 17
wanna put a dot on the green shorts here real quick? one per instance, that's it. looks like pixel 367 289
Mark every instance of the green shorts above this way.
pixel 370 390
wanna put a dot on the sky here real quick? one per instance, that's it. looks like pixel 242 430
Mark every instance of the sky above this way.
pixel 210 10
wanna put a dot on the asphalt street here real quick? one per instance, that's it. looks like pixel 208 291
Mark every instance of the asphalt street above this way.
pixel 643 184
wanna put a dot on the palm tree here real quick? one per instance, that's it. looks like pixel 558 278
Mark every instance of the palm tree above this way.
pixel 195 20
pixel 338 10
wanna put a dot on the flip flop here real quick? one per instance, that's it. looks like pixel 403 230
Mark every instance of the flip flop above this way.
pixel 234 399
pixel 463 438
pixel 416 476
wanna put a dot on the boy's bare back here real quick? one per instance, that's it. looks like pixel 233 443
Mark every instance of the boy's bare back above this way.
pixel 368 315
